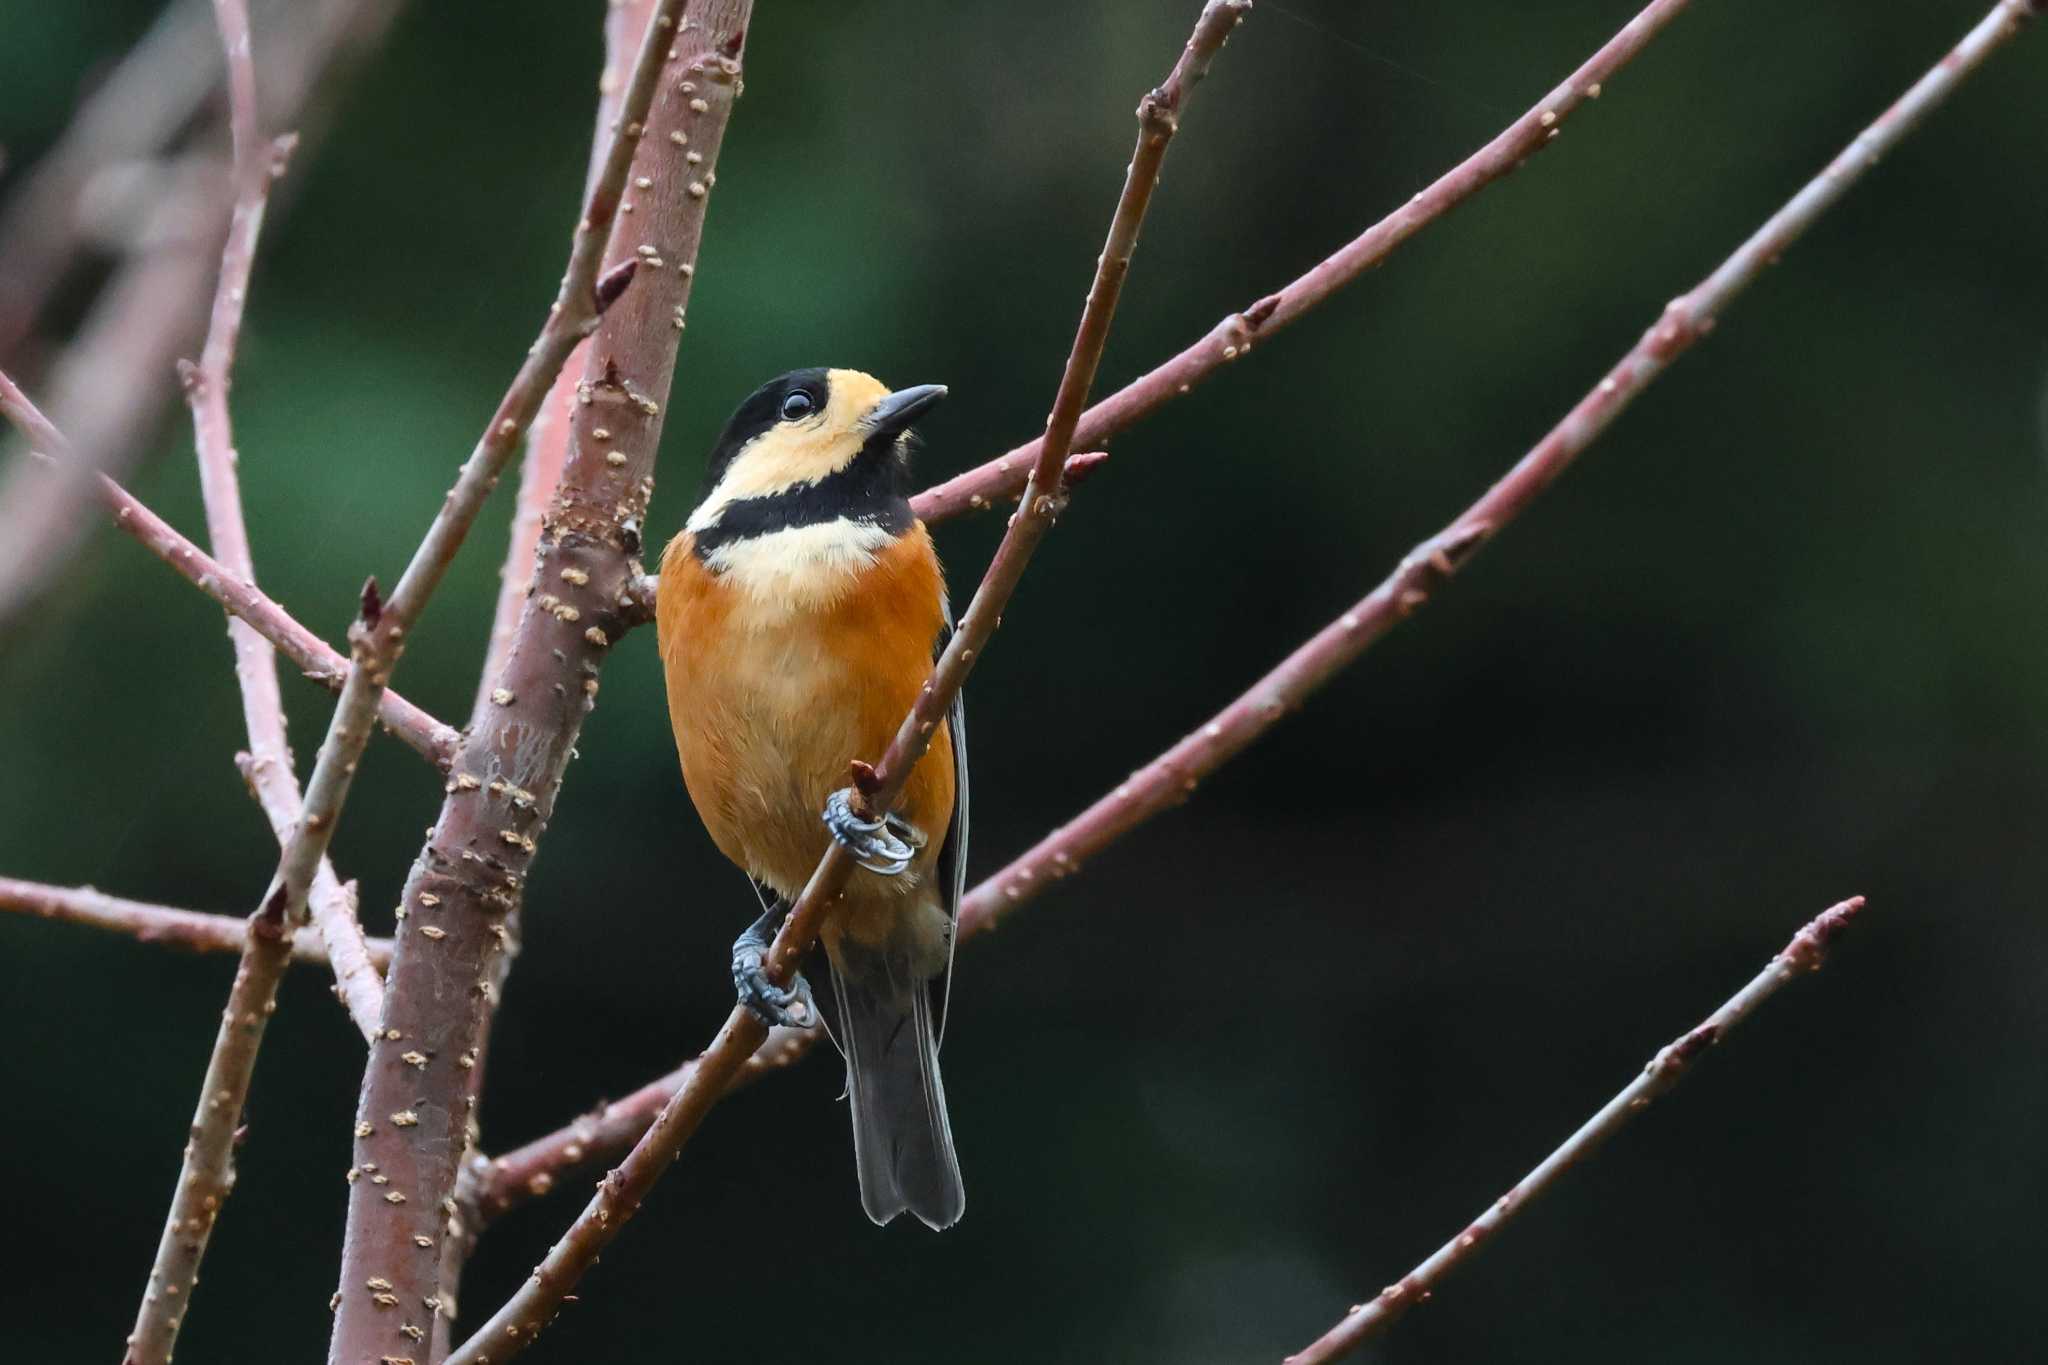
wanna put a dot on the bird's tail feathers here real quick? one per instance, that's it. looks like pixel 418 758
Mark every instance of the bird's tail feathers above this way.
pixel 902 1139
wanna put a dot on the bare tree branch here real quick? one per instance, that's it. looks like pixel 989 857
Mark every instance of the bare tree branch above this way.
pixel 1805 953
pixel 433 740
pixel 1169 779
pixel 619 1195
pixel 1229 340
pixel 377 641
pixel 192 930
pixel 548 445
pixel 471 875
pixel 502 1183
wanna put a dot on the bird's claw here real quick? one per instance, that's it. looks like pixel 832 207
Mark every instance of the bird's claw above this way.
pixel 790 1007
pixel 884 847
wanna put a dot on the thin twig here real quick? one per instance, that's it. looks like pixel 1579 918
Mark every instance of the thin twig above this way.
pixel 319 661
pixel 619 1195
pixel 453 943
pixel 268 764
pixel 207 1173
pixel 1168 779
pixel 191 930
pixel 1002 478
pixel 1804 954
pixel 502 1183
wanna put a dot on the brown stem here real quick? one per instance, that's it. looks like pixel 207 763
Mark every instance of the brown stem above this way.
pixel 1804 954
pixel 1168 779
pixel 472 872
pixel 503 1183
pixel 619 1195
pixel 1002 478
pixel 540 474
pixel 192 930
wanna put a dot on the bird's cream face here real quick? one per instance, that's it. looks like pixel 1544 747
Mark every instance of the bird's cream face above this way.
pixel 808 484
pixel 801 449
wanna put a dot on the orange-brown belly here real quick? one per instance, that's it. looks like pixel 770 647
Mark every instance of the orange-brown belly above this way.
pixel 771 696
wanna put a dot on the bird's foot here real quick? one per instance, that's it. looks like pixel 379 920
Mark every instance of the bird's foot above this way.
pixel 771 1004
pixel 884 847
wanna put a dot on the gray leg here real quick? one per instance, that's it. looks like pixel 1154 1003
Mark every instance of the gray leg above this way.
pixel 770 1003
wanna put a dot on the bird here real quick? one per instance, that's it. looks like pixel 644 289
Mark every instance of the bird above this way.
pixel 799 613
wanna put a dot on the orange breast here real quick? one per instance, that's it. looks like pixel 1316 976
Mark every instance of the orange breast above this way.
pixel 772 693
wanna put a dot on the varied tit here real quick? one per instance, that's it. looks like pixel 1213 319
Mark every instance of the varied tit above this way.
pixel 799 612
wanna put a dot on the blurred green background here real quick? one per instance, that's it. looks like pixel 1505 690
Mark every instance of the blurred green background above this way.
pixel 1778 640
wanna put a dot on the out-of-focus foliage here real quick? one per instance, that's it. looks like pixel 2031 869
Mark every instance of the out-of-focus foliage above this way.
pixel 1779 639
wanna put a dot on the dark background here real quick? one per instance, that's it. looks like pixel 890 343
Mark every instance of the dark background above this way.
pixel 1777 640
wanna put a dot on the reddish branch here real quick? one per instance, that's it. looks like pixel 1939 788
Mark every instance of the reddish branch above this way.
pixel 1805 953
pixel 508 772
pixel 192 930
pixel 619 1195
pixel 1169 779
pixel 540 474
pixel 1233 337
pixel 377 641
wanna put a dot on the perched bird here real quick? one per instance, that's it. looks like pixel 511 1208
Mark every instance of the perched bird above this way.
pixel 799 613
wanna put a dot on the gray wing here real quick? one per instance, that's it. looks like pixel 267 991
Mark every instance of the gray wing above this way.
pixel 952 866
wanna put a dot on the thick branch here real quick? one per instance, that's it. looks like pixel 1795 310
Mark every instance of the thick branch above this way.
pixel 620 1193
pixel 471 875
pixel 540 474
pixel 1003 477
pixel 1805 953
pixel 192 930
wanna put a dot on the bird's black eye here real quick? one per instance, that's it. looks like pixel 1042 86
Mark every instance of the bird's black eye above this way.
pixel 797 404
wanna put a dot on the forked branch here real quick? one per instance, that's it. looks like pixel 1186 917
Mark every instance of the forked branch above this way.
pixel 1168 780
pixel 620 1193
pixel 1805 953
pixel 454 938
pixel 990 484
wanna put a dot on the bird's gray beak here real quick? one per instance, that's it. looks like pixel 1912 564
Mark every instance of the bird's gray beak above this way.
pixel 896 412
